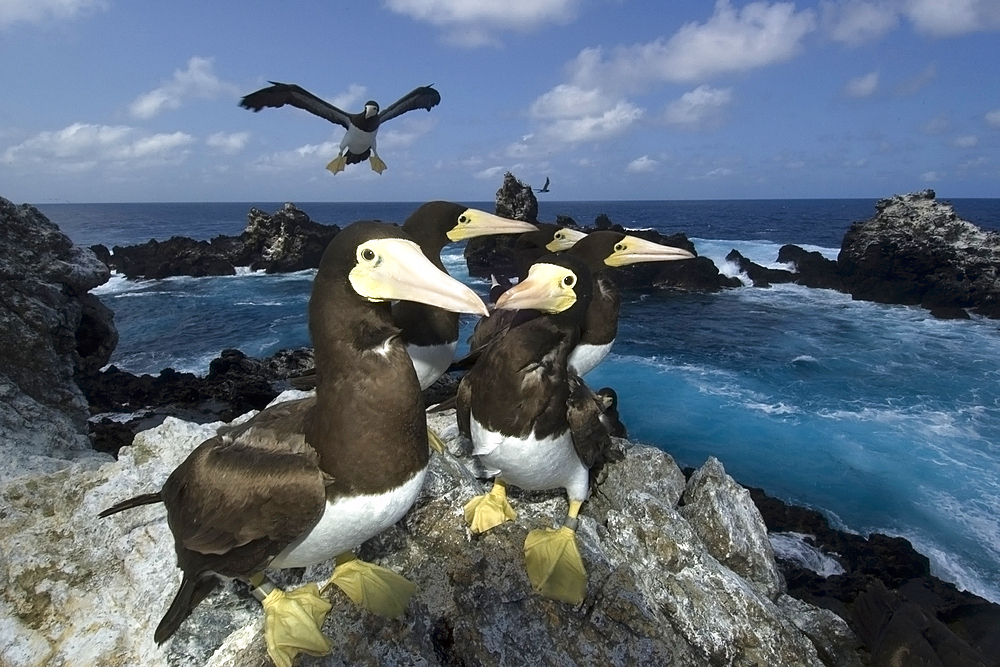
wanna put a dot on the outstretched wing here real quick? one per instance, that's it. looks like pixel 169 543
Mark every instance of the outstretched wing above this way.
pixel 424 97
pixel 280 94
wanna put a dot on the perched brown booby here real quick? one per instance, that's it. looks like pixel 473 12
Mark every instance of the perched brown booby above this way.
pixel 535 424
pixel 307 481
pixel 602 251
pixel 431 333
pixel 358 143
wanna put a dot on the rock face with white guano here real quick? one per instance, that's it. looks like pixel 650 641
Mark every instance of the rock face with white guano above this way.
pixel 918 251
pixel 680 573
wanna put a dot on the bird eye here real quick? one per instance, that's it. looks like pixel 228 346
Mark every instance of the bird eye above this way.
pixel 569 281
pixel 619 247
pixel 462 219
pixel 367 254
pixel 559 235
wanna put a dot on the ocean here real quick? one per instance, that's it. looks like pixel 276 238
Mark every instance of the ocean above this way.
pixel 880 416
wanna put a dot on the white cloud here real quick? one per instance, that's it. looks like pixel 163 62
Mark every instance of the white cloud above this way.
pixel 83 146
pixel 196 82
pixel 931 176
pixel 37 11
pixel 348 100
pixel 948 18
pixel 731 40
pixel 404 132
pixel 857 22
pixel 700 108
pixel 612 123
pixel 967 141
pixel 641 165
pixel 863 86
pixel 992 118
pixel 917 82
pixel 228 143
pixel 490 173
pixel 568 101
pixel 307 156
pixel 475 22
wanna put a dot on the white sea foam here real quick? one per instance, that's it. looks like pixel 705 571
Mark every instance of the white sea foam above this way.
pixel 793 546
pixel 117 283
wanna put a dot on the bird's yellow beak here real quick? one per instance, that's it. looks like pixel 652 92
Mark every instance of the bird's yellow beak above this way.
pixel 548 288
pixel 632 250
pixel 396 269
pixel 564 239
pixel 473 222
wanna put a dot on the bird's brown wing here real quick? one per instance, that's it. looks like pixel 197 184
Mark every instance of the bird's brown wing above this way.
pixel 424 97
pixel 591 439
pixel 280 94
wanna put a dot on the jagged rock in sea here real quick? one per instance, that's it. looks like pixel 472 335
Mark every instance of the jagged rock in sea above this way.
pixel 286 240
pixel 883 587
pixel 811 268
pixel 52 330
pixel 760 276
pixel 516 201
pixel 917 251
pixel 82 590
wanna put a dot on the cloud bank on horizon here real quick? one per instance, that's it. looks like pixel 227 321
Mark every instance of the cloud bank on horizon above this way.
pixel 611 100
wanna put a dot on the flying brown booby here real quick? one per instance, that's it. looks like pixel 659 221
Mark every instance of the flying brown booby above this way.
pixel 308 481
pixel 535 424
pixel 358 143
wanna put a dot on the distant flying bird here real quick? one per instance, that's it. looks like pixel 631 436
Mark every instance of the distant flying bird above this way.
pixel 544 188
pixel 358 143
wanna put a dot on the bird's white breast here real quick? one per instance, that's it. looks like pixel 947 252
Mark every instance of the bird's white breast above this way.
pixel 585 357
pixel 531 463
pixel 431 361
pixel 357 141
pixel 349 521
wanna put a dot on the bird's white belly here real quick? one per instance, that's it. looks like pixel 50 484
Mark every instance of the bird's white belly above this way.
pixel 532 463
pixel 347 522
pixel 431 361
pixel 585 357
pixel 357 141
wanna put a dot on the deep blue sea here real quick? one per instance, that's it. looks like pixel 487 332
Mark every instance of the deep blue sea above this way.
pixel 880 416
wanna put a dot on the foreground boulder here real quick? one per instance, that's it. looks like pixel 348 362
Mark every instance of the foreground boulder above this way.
pixel 81 590
pixel 917 251
pixel 286 240
pixel 53 331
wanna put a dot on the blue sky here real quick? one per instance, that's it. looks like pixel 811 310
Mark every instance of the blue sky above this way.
pixel 113 101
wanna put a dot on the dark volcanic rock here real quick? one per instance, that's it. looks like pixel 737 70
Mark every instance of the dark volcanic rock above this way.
pixel 761 276
pixel 516 201
pixel 903 615
pixel 812 269
pixel 286 240
pixel 52 330
pixel 917 251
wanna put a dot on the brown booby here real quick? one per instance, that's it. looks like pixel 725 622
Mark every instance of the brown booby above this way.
pixel 535 424
pixel 431 333
pixel 544 188
pixel 602 251
pixel 358 143
pixel 307 481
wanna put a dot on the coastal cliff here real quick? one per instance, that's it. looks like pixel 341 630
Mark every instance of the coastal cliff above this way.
pixel 681 573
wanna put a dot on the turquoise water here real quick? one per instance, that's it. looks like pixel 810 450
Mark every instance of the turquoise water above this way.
pixel 880 416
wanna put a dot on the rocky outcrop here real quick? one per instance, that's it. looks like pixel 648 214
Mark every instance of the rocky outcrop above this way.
pixel 235 384
pixel 760 276
pixel 516 201
pixel 883 587
pixel 53 331
pixel 811 269
pixel 286 240
pixel 917 251
pixel 81 590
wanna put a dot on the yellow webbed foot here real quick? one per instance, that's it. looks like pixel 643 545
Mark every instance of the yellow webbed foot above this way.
pixel 434 441
pixel 337 164
pixel 377 589
pixel 292 623
pixel 489 510
pixel 376 163
pixel 554 566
